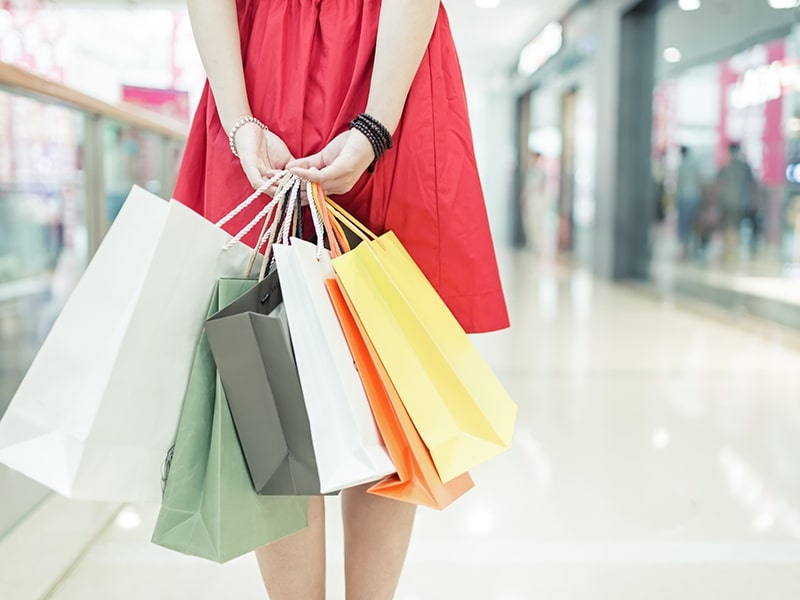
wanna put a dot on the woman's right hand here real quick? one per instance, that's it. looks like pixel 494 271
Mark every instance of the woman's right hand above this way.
pixel 262 154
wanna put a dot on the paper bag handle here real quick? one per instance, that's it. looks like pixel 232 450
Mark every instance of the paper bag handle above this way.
pixel 354 225
pixel 250 199
pixel 336 237
pixel 271 227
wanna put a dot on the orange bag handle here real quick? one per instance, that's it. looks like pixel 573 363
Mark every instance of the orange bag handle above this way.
pixel 334 231
pixel 337 227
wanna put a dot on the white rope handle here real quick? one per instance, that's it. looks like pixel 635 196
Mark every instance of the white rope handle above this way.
pixel 290 208
pixel 269 238
pixel 264 213
pixel 319 228
pixel 270 226
pixel 287 197
pixel 280 194
pixel 251 198
pixel 269 219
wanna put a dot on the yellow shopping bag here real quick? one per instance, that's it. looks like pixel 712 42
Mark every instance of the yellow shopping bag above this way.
pixel 462 412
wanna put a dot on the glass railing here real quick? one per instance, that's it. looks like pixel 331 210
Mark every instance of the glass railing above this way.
pixel 67 161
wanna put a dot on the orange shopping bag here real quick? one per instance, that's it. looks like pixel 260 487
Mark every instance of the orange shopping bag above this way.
pixel 416 479
pixel 456 403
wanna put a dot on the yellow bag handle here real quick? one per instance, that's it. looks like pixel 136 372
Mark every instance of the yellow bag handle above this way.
pixel 354 225
pixel 349 221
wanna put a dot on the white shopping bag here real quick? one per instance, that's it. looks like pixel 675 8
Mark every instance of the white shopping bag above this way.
pixel 346 441
pixel 98 409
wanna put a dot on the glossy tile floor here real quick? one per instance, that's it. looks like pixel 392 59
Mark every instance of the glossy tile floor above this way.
pixel 657 456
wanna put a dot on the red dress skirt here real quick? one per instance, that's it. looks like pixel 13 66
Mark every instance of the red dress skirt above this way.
pixel 307 66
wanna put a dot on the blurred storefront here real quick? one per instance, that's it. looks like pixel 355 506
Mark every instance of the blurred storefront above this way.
pixel 729 79
pixel 114 53
pixel 628 114
pixel 557 149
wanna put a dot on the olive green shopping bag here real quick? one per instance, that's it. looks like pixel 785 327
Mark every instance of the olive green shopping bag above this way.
pixel 210 508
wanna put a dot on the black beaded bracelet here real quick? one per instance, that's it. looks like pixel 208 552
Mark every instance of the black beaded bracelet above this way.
pixel 378 136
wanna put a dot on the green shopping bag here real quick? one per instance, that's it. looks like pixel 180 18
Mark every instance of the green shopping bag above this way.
pixel 210 508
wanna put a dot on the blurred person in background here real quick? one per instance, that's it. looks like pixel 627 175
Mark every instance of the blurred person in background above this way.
pixel 659 201
pixel 688 192
pixel 659 175
pixel 535 209
pixel 709 219
pixel 311 86
pixel 738 189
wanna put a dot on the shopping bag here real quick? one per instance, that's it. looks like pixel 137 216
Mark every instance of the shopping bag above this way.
pixel 416 480
pixel 249 339
pixel 210 508
pixel 346 442
pixel 456 402
pixel 100 404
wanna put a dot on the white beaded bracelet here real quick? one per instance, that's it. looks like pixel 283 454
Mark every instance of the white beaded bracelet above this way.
pixel 235 128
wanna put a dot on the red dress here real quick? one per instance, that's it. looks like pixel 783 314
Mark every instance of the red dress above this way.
pixel 307 66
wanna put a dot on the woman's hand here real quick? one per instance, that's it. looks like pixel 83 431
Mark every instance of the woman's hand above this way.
pixel 339 165
pixel 262 154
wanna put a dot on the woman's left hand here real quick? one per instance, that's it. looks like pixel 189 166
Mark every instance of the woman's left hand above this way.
pixel 339 165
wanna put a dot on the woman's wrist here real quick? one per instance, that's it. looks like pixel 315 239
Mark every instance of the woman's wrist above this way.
pixel 387 117
pixel 233 111
pixel 242 122
pixel 376 133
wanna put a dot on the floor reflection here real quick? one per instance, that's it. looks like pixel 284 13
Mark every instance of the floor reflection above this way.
pixel 28 308
pixel 655 457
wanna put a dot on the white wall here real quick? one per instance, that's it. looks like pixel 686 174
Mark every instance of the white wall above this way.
pixel 491 107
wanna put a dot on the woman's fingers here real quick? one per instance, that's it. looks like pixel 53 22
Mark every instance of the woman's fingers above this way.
pixel 310 174
pixel 314 161
pixel 278 154
pixel 337 178
pixel 262 155
pixel 254 176
pixel 338 166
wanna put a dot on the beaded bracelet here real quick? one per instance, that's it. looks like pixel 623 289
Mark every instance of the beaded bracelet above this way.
pixel 235 128
pixel 379 137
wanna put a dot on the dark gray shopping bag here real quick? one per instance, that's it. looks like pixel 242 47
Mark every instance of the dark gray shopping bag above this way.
pixel 249 339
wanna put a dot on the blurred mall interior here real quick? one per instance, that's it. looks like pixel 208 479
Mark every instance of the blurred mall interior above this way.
pixel 641 162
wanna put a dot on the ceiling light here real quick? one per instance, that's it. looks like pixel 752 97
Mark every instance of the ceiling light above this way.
pixel 793 125
pixel 541 49
pixel 660 439
pixel 689 4
pixel 784 3
pixel 480 521
pixel 487 3
pixel 763 522
pixel 128 518
pixel 672 55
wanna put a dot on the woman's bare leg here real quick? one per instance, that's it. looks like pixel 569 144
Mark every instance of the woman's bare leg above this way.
pixel 376 535
pixel 294 568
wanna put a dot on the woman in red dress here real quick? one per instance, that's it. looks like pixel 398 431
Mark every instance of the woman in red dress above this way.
pixel 285 80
